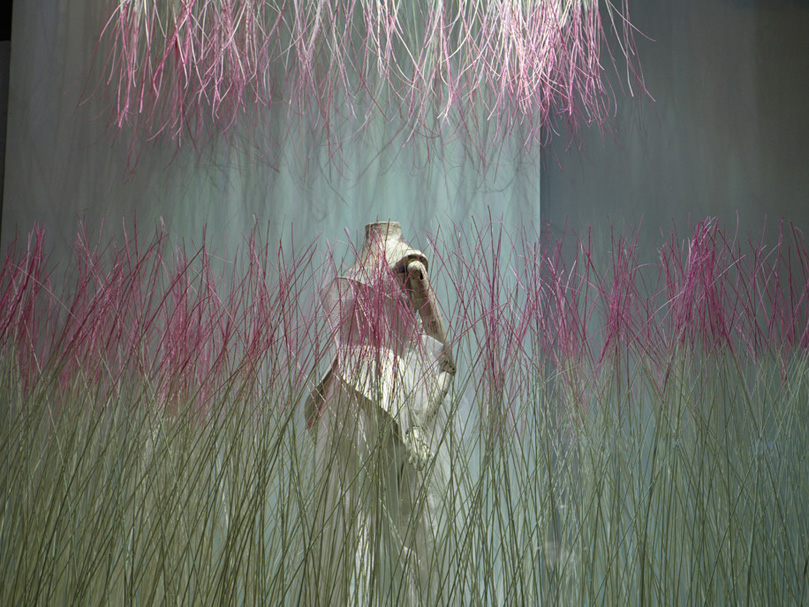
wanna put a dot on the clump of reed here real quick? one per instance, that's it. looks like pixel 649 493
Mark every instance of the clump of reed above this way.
pixel 206 69
pixel 623 429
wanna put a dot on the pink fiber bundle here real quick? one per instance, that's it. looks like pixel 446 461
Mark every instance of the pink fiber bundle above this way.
pixel 187 326
pixel 479 69
pixel 192 326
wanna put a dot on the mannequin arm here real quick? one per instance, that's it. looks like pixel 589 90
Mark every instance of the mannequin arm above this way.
pixel 423 300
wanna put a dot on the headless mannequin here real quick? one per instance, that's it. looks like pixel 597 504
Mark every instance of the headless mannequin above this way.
pixel 372 416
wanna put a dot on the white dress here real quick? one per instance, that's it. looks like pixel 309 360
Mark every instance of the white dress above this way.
pixel 373 512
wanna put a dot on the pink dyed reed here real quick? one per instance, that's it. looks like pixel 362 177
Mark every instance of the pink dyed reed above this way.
pixel 181 327
pixel 525 312
pixel 186 327
pixel 192 69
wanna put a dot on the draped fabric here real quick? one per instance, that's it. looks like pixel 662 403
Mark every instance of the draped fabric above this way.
pixel 374 508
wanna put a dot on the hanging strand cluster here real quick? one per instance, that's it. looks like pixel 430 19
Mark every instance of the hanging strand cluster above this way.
pixel 473 68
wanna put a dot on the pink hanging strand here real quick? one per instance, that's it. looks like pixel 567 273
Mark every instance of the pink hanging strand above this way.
pixel 478 69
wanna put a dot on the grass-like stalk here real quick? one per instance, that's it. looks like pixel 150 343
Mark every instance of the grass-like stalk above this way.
pixel 434 70
pixel 621 430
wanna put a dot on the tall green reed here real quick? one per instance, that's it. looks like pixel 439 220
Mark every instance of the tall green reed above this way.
pixel 621 430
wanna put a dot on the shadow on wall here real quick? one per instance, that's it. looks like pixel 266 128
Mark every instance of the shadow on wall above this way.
pixel 724 137
pixel 5 56
pixel 5 51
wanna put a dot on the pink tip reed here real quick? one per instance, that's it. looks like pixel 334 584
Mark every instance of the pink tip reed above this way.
pixel 193 70
pixel 186 327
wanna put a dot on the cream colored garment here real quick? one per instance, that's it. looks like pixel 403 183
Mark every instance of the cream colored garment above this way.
pixel 381 351
pixel 374 510
pixel 372 524
pixel 399 384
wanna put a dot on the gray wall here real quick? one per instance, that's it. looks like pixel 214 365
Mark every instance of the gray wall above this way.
pixel 727 135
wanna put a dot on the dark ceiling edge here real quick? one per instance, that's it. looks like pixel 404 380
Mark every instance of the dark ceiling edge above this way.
pixel 5 21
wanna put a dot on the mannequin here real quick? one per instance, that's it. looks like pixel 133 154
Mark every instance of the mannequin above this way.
pixel 372 419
